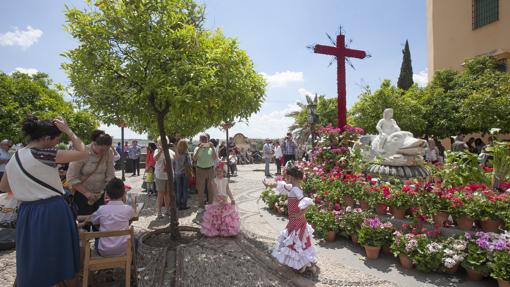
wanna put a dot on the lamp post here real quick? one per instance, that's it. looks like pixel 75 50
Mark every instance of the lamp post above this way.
pixel 122 125
pixel 226 126
pixel 312 119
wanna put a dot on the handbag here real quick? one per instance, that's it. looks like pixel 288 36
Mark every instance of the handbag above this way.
pixel 188 169
pixel 73 191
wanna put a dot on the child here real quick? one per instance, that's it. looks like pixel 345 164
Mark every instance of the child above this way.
pixel 294 245
pixel 149 181
pixel 221 218
pixel 114 215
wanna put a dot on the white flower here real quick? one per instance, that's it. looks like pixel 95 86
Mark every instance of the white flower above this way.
pixel 449 262
pixel 494 131
pixel 348 209
pixel 449 252
pixel 434 247
pixel 458 258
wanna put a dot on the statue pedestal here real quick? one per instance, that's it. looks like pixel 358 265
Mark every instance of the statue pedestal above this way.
pixel 402 172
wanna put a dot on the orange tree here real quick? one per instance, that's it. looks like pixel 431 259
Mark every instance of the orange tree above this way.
pixel 153 65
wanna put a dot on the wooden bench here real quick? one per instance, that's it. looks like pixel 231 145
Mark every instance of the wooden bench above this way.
pixel 93 262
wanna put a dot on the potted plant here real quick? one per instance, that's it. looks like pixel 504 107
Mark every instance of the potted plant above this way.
pixel 434 201
pixel 463 208
pixel 350 183
pixel 401 199
pixel 351 221
pixel 500 267
pixel 377 196
pixel 403 245
pixel 428 254
pixel 493 207
pixel 362 194
pixel 477 257
pixel 324 224
pixel 454 252
pixel 373 234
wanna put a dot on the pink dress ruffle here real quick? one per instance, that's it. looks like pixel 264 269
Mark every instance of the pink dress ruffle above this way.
pixel 220 219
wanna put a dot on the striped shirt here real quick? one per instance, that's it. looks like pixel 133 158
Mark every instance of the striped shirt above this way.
pixel 46 156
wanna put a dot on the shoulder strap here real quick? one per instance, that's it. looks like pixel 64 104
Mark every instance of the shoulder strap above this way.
pixel 36 180
pixel 95 169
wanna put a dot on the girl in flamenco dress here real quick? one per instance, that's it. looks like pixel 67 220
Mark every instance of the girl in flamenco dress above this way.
pixel 294 244
pixel 221 217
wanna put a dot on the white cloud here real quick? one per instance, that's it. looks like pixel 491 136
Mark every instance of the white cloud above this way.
pixel 304 92
pixel 23 38
pixel 282 79
pixel 262 125
pixel 422 78
pixel 28 71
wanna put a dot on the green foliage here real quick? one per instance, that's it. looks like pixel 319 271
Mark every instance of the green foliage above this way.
pixel 405 79
pixel 322 222
pixel 501 162
pixel 326 113
pixel 474 100
pixel 425 260
pixel 274 201
pixel 462 168
pixel 500 265
pixel 477 258
pixel 22 94
pixel 139 58
pixel 351 221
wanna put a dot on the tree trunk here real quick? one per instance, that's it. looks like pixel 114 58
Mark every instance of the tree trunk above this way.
pixel 174 221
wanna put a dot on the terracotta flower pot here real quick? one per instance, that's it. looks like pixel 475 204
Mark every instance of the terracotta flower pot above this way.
pixel 405 261
pixel 440 218
pixel 474 275
pixel 503 283
pixel 372 251
pixel 330 236
pixel 452 270
pixel 354 239
pixel 399 213
pixel 380 209
pixel 349 201
pixel 490 225
pixel 465 223
pixel 363 204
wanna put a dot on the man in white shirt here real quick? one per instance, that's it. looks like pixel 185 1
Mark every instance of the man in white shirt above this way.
pixel 278 157
pixel 267 153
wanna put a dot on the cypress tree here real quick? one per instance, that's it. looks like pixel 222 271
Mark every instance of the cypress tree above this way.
pixel 405 80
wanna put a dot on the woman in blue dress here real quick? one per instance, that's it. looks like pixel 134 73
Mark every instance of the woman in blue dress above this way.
pixel 47 240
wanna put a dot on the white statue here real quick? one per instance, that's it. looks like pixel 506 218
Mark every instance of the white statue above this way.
pixel 396 147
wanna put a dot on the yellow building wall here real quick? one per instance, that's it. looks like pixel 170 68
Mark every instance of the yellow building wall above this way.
pixel 451 38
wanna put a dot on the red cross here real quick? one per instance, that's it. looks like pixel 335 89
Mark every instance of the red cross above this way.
pixel 341 52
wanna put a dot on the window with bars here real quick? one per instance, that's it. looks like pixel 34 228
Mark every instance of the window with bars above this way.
pixel 485 12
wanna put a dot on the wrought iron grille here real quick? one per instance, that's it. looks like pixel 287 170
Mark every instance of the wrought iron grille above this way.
pixel 485 12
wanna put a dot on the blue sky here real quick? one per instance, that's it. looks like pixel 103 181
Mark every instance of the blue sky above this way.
pixel 274 33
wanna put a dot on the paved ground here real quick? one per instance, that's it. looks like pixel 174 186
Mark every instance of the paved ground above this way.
pixel 245 261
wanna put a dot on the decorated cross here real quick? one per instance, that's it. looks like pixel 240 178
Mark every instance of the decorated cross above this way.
pixel 340 52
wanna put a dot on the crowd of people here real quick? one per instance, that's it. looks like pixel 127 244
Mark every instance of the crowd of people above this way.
pixel 59 191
